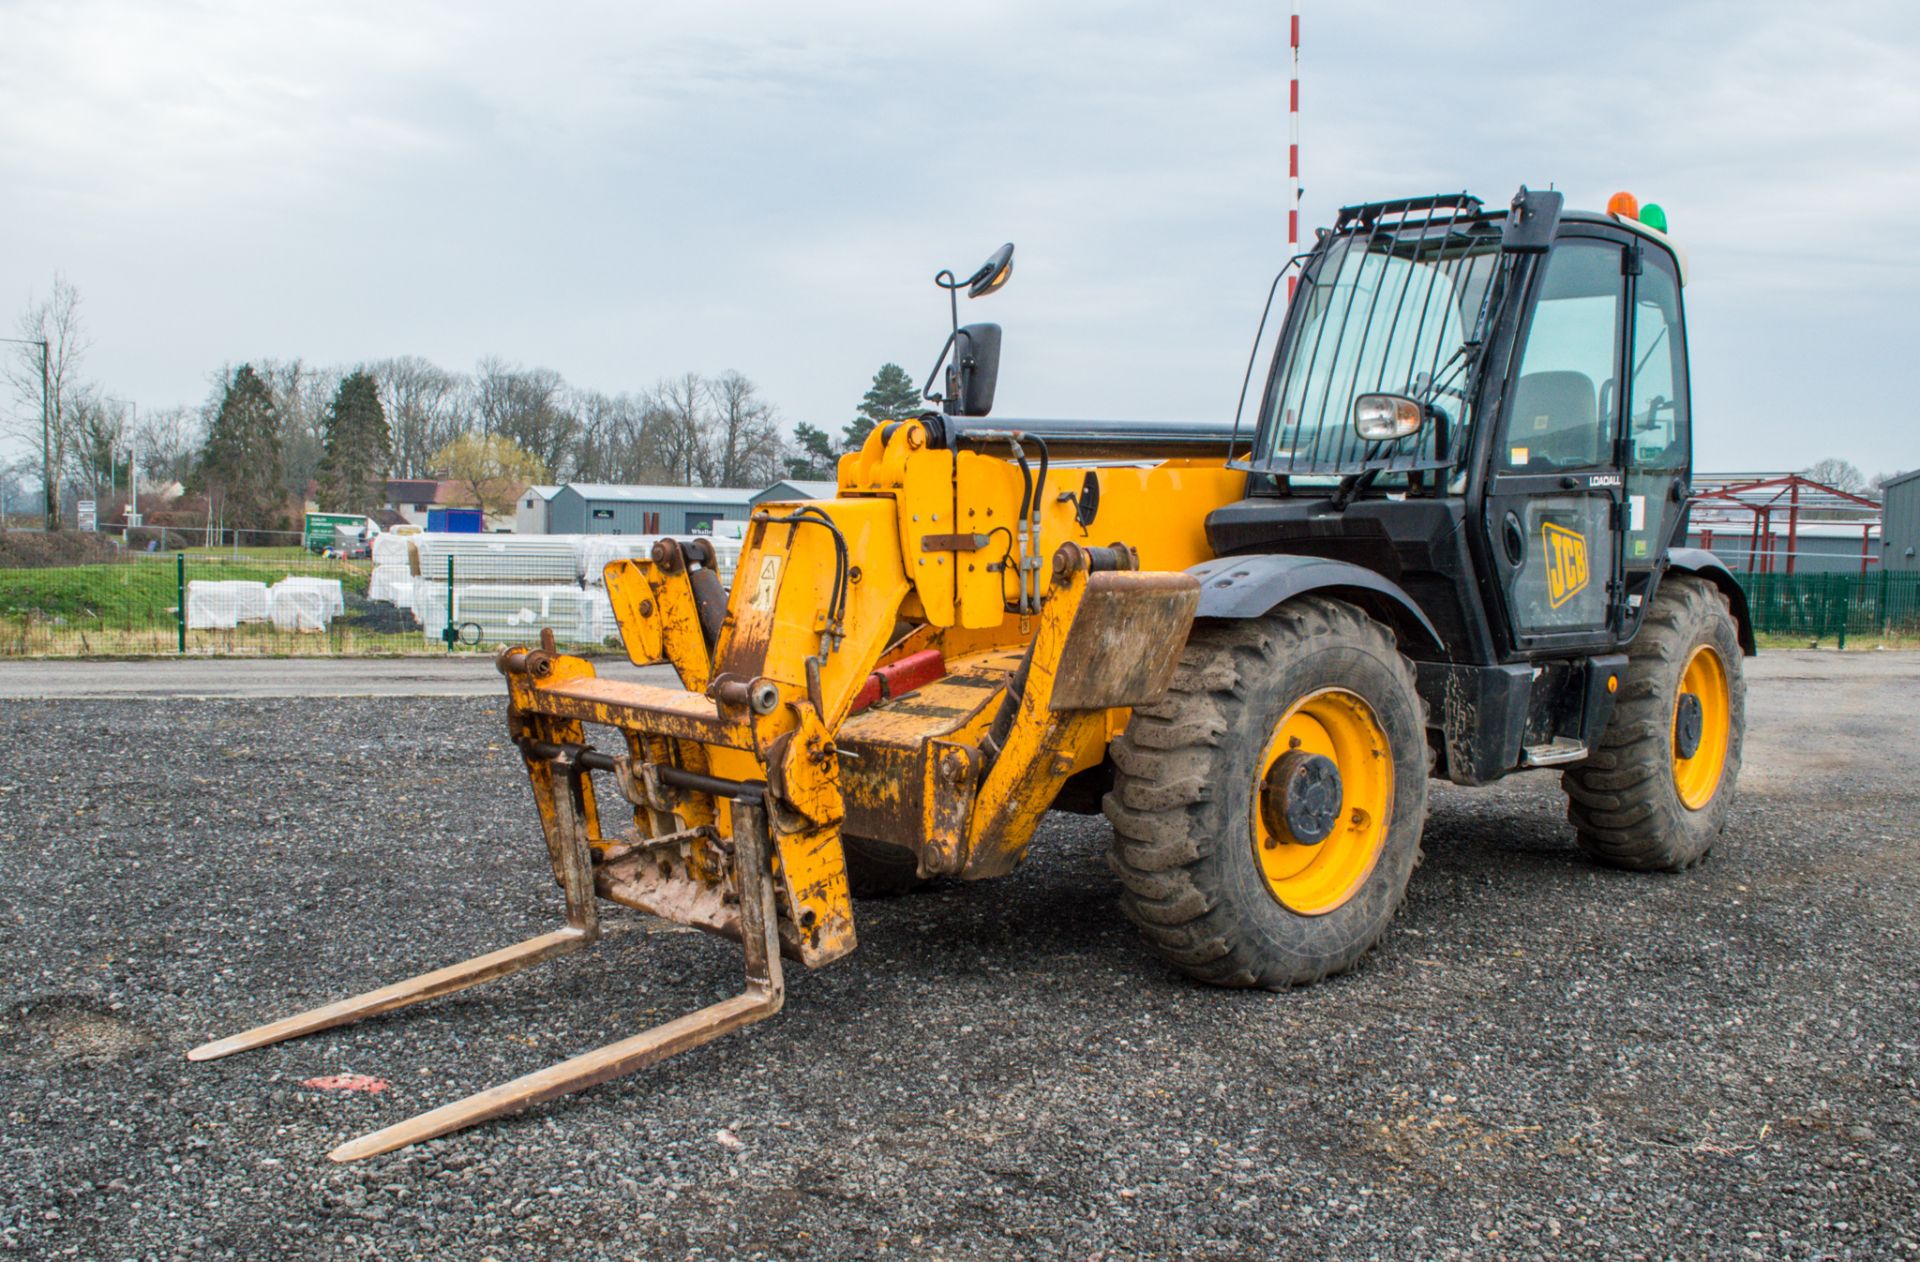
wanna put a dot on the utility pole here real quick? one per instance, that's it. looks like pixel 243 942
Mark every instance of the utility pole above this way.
pixel 133 473
pixel 48 481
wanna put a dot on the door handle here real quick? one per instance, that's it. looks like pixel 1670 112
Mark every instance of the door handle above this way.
pixel 1514 538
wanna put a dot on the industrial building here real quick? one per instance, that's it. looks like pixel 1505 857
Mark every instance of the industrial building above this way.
pixel 601 508
pixel 1815 547
pixel 1900 529
pixel 530 514
pixel 797 489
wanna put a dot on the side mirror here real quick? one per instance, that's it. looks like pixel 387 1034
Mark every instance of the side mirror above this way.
pixel 974 371
pixel 992 274
pixel 1383 418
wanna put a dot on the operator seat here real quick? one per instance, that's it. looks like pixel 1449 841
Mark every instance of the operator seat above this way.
pixel 1555 416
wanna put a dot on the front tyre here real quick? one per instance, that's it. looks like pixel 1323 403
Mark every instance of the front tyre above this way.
pixel 1267 812
pixel 1657 789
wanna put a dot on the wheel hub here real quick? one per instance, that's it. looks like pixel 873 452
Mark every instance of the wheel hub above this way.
pixel 1689 722
pixel 1302 798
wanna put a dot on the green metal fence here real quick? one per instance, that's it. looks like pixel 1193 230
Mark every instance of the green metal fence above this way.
pixel 263 602
pixel 90 597
pixel 1832 607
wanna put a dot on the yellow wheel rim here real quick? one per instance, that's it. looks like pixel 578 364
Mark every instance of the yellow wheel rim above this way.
pixel 1314 879
pixel 1705 680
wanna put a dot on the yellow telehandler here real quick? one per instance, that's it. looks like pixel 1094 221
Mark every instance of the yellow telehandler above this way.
pixel 1446 547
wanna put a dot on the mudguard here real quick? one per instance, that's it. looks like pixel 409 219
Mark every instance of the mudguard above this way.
pixel 1710 567
pixel 1251 586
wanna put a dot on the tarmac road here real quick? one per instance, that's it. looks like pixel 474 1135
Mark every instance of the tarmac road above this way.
pixel 1545 1059
pixel 456 675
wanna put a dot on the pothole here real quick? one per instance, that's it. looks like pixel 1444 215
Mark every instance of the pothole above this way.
pixel 68 1029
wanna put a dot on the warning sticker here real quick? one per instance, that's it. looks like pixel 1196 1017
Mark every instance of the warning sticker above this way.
pixel 1517 455
pixel 767 587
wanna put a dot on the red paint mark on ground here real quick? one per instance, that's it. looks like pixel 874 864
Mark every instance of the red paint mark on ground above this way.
pixel 348 1082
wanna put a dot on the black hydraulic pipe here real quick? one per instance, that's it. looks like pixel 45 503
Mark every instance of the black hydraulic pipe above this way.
pixel 744 790
pixel 594 760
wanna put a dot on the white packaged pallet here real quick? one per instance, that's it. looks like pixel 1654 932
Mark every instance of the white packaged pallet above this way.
pixel 390 549
pixel 601 621
pixel 507 613
pixel 525 558
pixel 597 552
pixel 223 604
pixel 333 601
pixel 297 608
pixel 384 583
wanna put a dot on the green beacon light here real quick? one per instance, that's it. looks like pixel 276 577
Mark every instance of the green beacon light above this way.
pixel 1654 217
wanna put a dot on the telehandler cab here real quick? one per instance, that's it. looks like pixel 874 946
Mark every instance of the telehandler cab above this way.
pixel 1447 547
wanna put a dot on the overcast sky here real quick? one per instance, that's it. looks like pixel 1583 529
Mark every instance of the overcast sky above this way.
pixel 630 190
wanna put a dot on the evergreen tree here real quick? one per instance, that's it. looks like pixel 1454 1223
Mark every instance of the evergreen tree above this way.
pixel 815 459
pixel 891 397
pixel 240 465
pixel 359 450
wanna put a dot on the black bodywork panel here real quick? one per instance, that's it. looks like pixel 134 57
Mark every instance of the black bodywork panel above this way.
pixel 1251 585
pixel 1407 563
pixel 1418 545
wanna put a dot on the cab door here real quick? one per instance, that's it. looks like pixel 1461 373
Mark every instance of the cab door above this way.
pixel 1554 477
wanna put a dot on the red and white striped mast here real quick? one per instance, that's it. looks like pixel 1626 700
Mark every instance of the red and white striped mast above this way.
pixel 1293 139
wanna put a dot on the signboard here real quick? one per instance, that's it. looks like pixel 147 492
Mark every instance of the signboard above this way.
pixel 88 517
pixel 603 514
pixel 318 533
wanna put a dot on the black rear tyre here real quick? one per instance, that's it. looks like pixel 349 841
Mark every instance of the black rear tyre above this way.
pixel 1208 869
pixel 1657 789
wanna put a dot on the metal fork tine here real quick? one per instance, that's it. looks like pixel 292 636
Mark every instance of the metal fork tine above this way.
pixel 765 992
pixel 442 981
pixel 568 1076
pixel 572 867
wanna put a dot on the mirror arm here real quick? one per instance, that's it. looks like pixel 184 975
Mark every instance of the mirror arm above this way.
pixel 926 391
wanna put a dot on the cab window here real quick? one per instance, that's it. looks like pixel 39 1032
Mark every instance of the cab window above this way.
pixel 1659 441
pixel 1560 413
pixel 1657 408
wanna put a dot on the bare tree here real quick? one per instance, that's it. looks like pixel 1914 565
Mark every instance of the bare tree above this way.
pixel 677 418
pixel 15 497
pixel 745 436
pixel 529 406
pixel 1841 475
pixel 100 435
pixel 168 439
pixel 54 320
pixel 301 393
pixel 425 406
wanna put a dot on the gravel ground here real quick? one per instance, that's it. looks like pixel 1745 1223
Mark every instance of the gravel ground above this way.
pixel 1545 1059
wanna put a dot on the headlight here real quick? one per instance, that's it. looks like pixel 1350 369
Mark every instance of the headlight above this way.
pixel 1385 417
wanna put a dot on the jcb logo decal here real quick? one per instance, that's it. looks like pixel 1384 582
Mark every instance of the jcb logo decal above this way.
pixel 1566 563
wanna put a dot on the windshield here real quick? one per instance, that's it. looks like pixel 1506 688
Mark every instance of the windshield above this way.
pixel 1394 312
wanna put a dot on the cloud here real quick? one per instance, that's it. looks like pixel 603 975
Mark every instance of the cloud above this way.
pixel 623 191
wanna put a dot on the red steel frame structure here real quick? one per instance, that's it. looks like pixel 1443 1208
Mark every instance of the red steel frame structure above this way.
pixel 1717 498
